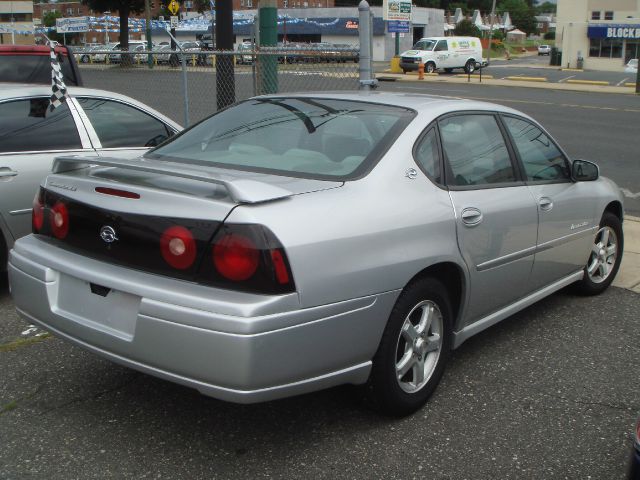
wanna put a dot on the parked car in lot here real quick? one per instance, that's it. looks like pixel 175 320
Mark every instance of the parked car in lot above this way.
pixel 32 64
pixel 632 66
pixel 116 52
pixel 634 469
pixel 102 56
pixel 290 243
pixel 87 54
pixel 544 50
pixel 91 122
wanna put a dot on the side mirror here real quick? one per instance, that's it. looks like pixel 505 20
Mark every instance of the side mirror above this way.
pixel 584 171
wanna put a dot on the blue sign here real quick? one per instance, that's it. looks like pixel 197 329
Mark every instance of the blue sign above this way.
pixel 614 31
pixel 396 26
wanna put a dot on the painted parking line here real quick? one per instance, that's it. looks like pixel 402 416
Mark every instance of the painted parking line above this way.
pixel 565 79
pixel 621 82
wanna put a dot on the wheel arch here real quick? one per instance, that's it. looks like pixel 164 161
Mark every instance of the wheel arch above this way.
pixel 454 280
pixel 615 207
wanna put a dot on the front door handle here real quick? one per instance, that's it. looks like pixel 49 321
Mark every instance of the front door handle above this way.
pixel 471 216
pixel 545 204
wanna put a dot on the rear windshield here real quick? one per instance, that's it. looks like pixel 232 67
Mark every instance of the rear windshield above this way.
pixel 300 137
pixel 33 69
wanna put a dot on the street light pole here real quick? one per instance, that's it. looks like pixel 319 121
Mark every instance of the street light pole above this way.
pixel 493 15
pixel 147 11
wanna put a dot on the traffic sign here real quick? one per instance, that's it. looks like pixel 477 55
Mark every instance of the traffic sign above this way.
pixel 396 26
pixel 174 21
pixel 174 7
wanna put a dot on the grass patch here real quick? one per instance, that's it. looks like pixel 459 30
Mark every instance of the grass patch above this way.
pixel 8 407
pixel 23 342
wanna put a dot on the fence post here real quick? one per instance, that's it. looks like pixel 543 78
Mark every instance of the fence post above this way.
pixel 185 89
pixel 364 32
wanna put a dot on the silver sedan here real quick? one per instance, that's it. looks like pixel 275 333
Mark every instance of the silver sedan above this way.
pixel 91 122
pixel 292 243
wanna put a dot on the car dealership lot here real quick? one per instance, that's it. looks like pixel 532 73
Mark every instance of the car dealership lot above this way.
pixel 549 393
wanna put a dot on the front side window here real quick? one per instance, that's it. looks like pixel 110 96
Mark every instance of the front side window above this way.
pixel 475 151
pixel 441 46
pixel 28 125
pixel 541 159
pixel 424 45
pixel 118 125
pixel 302 137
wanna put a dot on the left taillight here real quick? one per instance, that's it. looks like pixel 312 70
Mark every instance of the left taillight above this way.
pixel 37 213
pixel 59 219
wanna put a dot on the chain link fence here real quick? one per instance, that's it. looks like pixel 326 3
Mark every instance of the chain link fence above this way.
pixel 190 85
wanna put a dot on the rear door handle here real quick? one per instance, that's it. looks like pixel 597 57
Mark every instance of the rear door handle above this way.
pixel 545 204
pixel 7 172
pixel 471 216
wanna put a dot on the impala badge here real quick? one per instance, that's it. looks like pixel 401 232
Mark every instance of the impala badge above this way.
pixel 108 234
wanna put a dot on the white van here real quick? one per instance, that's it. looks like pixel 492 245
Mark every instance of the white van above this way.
pixel 443 52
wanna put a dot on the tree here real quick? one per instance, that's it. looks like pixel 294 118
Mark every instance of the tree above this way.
pixel 546 7
pixel 466 28
pixel 124 8
pixel 522 15
pixel 49 20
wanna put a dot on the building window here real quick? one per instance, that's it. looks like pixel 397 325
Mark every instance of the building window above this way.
pixel 605 47
pixel 632 50
pixel 608 15
pixel 595 15
pixel 70 11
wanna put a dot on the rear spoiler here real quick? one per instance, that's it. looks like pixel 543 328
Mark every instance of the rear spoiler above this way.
pixel 241 190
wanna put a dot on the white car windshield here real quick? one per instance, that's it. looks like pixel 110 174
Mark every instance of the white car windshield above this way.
pixel 301 137
pixel 424 45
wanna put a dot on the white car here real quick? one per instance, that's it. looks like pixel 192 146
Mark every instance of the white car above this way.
pixel 91 122
pixel 632 66
pixel 544 50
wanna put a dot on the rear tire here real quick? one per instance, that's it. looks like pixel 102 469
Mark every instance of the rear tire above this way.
pixel 605 257
pixel 84 59
pixel 470 66
pixel 414 349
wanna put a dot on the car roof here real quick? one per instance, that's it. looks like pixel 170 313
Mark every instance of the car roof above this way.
pixel 31 50
pixel 431 105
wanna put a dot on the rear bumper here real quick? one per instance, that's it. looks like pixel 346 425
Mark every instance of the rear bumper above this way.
pixel 241 348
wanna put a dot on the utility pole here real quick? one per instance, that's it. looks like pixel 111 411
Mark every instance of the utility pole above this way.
pixel 147 11
pixel 225 75
pixel 493 16
pixel 268 17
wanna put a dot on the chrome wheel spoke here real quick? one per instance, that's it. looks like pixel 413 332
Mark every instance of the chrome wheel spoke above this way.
pixel 433 343
pixel 595 248
pixel 418 373
pixel 611 250
pixel 409 331
pixel 405 364
pixel 605 236
pixel 593 266
pixel 425 319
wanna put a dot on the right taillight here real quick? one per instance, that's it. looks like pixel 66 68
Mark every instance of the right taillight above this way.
pixel 37 215
pixel 248 258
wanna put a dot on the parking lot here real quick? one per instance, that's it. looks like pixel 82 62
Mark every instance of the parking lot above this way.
pixel 549 393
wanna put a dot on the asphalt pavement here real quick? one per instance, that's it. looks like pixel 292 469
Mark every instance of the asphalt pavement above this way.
pixel 549 393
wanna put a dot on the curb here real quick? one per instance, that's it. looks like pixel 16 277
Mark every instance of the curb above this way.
pixel 588 82
pixel 629 274
pixel 528 79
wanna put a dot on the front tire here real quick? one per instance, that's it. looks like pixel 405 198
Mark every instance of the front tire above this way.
pixel 430 67
pixel 414 349
pixel 605 257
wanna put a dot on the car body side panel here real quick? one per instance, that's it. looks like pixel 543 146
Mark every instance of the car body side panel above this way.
pixel 566 229
pixel 499 250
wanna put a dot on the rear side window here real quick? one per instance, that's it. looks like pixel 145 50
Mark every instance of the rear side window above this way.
pixel 119 125
pixel 33 69
pixel 427 156
pixel 28 125
pixel 475 151
pixel 541 159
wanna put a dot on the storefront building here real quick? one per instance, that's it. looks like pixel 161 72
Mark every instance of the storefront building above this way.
pixel 604 33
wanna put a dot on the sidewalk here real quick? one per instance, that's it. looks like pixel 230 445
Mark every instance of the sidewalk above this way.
pixel 629 275
pixel 489 80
